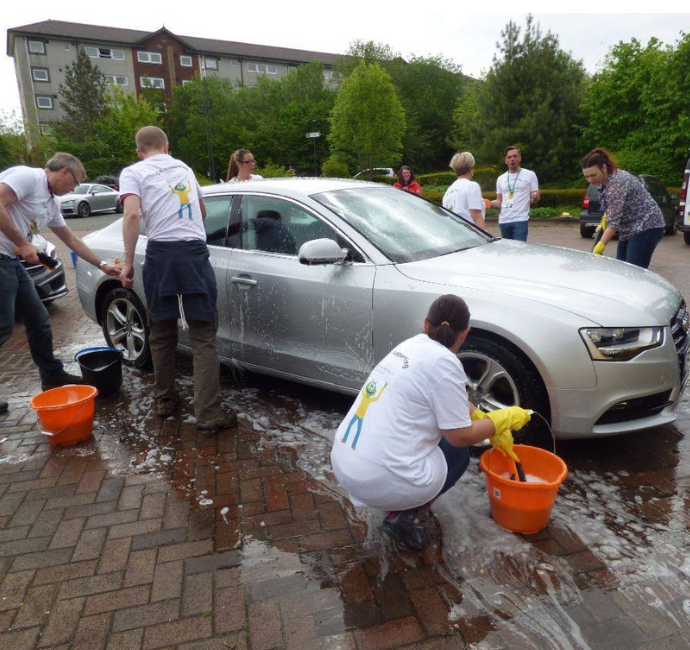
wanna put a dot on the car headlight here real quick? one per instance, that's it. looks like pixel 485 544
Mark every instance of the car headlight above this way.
pixel 68 202
pixel 620 343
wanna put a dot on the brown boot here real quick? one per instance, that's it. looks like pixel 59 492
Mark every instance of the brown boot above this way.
pixel 224 421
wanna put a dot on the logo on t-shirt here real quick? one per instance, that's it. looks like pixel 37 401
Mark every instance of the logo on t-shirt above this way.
pixel 182 192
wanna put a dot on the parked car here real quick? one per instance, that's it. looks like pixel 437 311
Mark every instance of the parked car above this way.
pixel 375 171
pixel 88 198
pixel 50 283
pixel 591 214
pixel 107 179
pixel 684 206
pixel 360 265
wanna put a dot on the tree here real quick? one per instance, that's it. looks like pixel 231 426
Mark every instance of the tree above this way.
pixel 531 98
pixel 368 120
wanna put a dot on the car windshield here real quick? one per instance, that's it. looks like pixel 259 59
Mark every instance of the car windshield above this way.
pixel 81 189
pixel 403 227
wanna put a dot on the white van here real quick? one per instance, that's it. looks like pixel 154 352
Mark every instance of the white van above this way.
pixel 684 210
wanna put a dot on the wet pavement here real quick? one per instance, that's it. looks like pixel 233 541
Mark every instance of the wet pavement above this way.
pixel 150 536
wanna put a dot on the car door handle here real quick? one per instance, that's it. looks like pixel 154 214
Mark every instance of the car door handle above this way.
pixel 240 279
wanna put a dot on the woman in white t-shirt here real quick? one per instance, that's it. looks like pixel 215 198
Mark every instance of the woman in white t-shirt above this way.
pixel 241 166
pixel 464 196
pixel 405 439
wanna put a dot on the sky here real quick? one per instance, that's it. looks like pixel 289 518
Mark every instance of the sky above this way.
pixel 444 28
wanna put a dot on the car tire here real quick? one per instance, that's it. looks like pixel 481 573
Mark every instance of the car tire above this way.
pixel 84 209
pixel 125 327
pixel 498 376
pixel 586 232
pixel 686 237
pixel 672 228
pixel 118 206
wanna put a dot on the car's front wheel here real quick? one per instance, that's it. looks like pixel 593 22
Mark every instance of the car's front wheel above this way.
pixel 686 237
pixel 672 228
pixel 118 206
pixel 497 377
pixel 586 232
pixel 84 209
pixel 125 327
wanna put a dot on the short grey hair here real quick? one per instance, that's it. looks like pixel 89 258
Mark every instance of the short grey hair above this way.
pixel 60 160
pixel 462 163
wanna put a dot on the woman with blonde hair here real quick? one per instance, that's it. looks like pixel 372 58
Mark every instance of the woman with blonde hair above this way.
pixel 241 167
pixel 464 196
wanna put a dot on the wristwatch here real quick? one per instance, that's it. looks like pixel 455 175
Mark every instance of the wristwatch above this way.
pixel 102 264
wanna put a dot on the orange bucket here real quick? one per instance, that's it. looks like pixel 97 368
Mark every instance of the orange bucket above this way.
pixel 522 507
pixel 66 413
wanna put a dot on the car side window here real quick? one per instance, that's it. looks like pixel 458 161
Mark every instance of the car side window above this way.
pixel 99 189
pixel 656 189
pixel 217 218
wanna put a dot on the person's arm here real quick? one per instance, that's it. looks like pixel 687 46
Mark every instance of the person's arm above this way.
pixel 535 192
pixel 466 436
pixel 416 188
pixel 202 206
pixel 478 218
pixel 498 201
pixel 25 249
pixel 131 223
pixel 76 244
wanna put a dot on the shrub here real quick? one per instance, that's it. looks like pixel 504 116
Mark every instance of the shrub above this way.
pixel 486 177
pixel 274 171
pixel 335 167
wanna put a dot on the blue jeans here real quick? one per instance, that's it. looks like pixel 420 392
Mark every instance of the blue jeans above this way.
pixel 638 250
pixel 516 230
pixel 19 298
pixel 457 459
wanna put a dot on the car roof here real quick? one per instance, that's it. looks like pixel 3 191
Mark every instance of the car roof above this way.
pixel 290 186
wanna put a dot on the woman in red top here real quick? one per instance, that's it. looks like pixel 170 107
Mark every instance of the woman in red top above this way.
pixel 407 181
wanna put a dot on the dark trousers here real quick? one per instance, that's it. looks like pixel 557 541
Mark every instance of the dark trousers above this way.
pixel 516 230
pixel 19 298
pixel 638 250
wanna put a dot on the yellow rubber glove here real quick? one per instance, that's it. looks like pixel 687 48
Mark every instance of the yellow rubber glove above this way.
pixel 602 225
pixel 509 418
pixel 478 414
pixel 599 248
pixel 504 443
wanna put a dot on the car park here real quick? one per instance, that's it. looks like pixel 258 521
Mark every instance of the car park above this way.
pixel 375 171
pixel 90 198
pixel 684 206
pixel 346 270
pixel 49 282
pixel 591 214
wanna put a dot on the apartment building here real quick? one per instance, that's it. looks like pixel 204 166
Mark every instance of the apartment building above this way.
pixel 135 60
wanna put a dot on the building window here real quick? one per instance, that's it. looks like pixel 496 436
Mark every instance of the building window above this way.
pixel 152 82
pixel 37 47
pixel 186 81
pixel 149 57
pixel 185 61
pixel 67 47
pixel 328 74
pixel 116 80
pixel 162 107
pixel 211 64
pixel 104 53
pixel 46 129
pixel 262 68
pixel 40 74
pixel 43 101
pixel 233 62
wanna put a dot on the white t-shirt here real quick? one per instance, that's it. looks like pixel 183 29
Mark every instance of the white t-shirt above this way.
pixel 253 177
pixel 394 462
pixel 36 204
pixel 462 196
pixel 169 195
pixel 516 207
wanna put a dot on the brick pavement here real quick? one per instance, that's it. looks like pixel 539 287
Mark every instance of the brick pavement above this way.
pixel 227 544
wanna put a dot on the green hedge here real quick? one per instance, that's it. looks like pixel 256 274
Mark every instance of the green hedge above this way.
pixel 549 198
pixel 485 176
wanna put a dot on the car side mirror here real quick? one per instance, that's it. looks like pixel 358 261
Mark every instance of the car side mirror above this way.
pixel 321 252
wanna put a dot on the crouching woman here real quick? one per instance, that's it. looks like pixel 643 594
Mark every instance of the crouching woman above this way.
pixel 405 440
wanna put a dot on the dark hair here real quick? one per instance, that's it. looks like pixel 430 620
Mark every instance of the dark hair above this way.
pixel 510 147
pixel 233 169
pixel 400 178
pixel 448 316
pixel 598 158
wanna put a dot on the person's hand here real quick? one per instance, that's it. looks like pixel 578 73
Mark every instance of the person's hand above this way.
pixel 478 414
pixel 504 443
pixel 111 269
pixel 29 253
pixel 534 196
pixel 602 225
pixel 127 275
pixel 509 418
pixel 599 248
pixel 487 204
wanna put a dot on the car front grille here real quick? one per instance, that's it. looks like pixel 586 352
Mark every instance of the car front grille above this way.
pixel 636 409
pixel 680 331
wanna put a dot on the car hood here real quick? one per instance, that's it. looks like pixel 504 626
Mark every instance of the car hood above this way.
pixel 603 290
pixel 69 197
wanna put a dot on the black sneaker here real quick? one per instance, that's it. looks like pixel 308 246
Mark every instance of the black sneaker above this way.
pixel 4 406
pixel 165 406
pixel 405 528
pixel 60 379
pixel 224 421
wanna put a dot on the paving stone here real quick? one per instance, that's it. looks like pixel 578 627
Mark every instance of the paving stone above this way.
pixel 68 533
pixel 19 639
pixel 159 538
pixel 140 568
pixel 265 630
pixel 127 619
pixel 229 612
pixel 120 599
pixel 36 606
pixel 168 581
pixel 42 559
pixel 389 635
pixel 115 555
pixel 301 634
pixel 214 562
pixel 130 640
pixel 92 632
pixel 229 642
pixel 91 585
pixel 176 632
pixel 182 551
pixel 90 544
pixel 65 572
pixel 62 623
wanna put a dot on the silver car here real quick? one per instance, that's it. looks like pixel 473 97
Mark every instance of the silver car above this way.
pixel 88 198
pixel 319 279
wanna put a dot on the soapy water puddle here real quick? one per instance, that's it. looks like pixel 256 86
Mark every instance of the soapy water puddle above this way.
pixel 608 530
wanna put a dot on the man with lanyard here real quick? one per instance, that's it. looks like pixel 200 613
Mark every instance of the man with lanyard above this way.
pixel 27 200
pixel 179 281
pixel 515 191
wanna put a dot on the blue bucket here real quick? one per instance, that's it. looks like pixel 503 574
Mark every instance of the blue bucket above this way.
pixel 102 368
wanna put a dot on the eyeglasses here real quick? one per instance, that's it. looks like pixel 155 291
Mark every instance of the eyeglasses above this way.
pixel 76 182
pixel 252 161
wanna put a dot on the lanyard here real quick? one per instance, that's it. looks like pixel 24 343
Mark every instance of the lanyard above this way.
pixel 511 190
